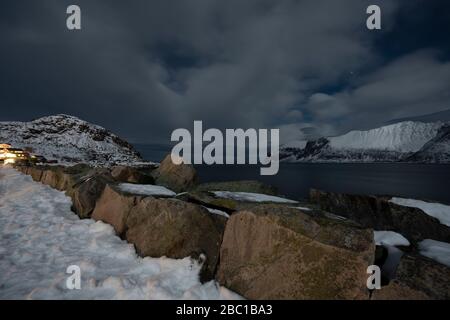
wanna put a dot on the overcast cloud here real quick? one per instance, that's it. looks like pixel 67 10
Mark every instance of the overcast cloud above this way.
pixel 145 68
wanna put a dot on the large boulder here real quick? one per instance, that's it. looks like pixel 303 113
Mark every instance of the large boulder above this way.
pixel 417 278
pixel 113 207
pixel 87 191
pixel 131 175
pixel 277 252
pixel 52 177
pixel 176 229
pixel 378 213
pixel 36 173
pixel 178 178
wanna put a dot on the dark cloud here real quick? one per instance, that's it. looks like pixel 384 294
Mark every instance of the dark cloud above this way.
pixel 144 68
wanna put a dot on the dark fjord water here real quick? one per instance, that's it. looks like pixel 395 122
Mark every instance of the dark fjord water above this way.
pixel 424 181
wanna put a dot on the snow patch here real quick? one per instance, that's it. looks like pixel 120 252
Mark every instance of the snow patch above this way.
pixel 218 212
pixel 389 238
pixel 146 189
pixel 40 237
pixel 436 250
pixel 251 197
pixel 436 210
pixel 302 208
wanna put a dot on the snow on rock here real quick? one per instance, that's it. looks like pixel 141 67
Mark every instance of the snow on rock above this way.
pixel 436 210
pixel 69 140
pixel 218 212
pixel 251 197
pixel 390 238
pixel 146 189
pixel 302 208
pixel 40 237
pixel 436 250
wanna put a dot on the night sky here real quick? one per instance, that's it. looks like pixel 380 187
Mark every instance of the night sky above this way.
pixel 144 68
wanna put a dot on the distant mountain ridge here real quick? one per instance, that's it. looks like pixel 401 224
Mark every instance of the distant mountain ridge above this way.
pixel 69 139
pixel 404 141
pixel 443 116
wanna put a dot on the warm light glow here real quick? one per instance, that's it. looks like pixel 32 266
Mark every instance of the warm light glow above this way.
pixel 9 161
pixel 10 155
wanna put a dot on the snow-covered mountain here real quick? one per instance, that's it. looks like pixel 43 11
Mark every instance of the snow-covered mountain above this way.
pixel 69 140
pixel 437 150
pixel 404 141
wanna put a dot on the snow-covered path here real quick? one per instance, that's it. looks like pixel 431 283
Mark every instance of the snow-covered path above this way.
pixel 40 237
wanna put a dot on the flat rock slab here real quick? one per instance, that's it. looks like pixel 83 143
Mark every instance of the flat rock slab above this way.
pixel 223 201
pixel 239 186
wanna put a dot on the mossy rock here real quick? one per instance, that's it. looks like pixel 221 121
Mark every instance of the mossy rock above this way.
pixel 277 252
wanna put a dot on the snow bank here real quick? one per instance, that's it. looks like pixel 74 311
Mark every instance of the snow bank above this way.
pixel 251 197
pixel 436 210
pixel 40 237
pixel 146 189
pixel 436 250
pixel 389 238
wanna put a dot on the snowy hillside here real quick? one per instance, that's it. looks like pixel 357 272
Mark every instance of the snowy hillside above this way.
pixel 396 142
pixel 68 140
pixel 401 137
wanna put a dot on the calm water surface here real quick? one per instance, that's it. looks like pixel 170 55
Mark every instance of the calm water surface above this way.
pixel 426 181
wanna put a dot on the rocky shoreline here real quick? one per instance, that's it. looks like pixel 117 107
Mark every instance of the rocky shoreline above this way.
pixel 261 247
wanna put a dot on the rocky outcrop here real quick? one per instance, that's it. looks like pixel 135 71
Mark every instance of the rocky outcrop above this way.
pixel 68 139
pixel 113 208
pixel 380 214
pixel 176 229
pixel 437 150
pixel 178 178
pixel 131 175
pixel 417 278
pixel 276 252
